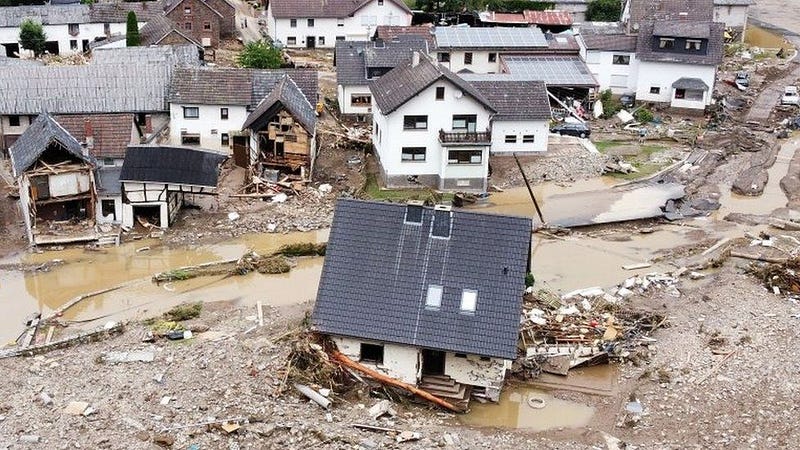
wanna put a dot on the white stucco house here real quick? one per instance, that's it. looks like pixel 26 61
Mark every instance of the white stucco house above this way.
pixel 610 54
pixel 358 62
pixel 430 127
pixel 71 28
pixel 426 295
pixel 320 23
pixel 677 62
pixel 478 50
pixel 733 13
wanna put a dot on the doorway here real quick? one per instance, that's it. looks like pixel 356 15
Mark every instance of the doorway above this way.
pixel 311 42
pixel 432 362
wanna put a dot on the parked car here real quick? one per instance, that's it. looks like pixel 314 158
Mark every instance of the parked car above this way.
pixel 742 80
pixel 628 100
pixel 790 96
pixel 578 129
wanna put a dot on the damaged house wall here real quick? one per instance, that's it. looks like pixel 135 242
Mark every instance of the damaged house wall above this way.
pixel 399 361
pixel 472 370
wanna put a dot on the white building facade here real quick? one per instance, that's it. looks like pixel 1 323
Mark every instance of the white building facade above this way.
pixel 519 136
pixel 657 83
pixel 327 24
pixel 615 70
pixel 207 126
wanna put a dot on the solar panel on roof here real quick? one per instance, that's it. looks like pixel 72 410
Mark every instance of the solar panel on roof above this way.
pixel 554 71
pixel 489 37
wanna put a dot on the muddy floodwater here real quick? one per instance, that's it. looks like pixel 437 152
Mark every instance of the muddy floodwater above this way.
pixel 134 263
pixel 759 37
pixel 536 409
pixel 773 196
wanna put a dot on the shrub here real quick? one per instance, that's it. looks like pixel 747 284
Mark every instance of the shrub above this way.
pixel 32 37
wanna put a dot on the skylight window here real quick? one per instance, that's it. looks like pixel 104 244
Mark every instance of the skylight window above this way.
pixel 469 300
pixel 434 298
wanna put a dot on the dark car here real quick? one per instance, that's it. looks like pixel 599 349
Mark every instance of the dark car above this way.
pixel 627 100
pixel 743 79
pixel 572 129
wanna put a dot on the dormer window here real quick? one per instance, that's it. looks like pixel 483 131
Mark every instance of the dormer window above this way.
pixel 666 43
pixel 469 300
pixel 693 44
pixel 434 298
pixel 442 222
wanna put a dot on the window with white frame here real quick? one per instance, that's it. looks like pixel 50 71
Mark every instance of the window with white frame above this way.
pixel 415 122
pixel 293 23
pixel 191 112
pixel 693 44
pixel 666 43
pixel 360 100
pixel 434 298
pixel 469 301
pixel 511 139
pixel 291 40
pixel 464 156
pixel 409 154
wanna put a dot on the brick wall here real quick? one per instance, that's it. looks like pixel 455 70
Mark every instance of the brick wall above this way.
pixel 228 21
pixel 198 16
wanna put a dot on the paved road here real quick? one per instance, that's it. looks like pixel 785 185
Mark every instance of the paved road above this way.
pixel 770 96
pixel 247 21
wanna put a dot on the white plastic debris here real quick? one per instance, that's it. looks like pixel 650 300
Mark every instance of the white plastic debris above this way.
pixel 325 188
pixel 280 198
pixel 232 216
pixel 586 305
pixel 624 292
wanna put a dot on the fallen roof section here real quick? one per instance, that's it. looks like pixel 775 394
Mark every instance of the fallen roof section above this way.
pixel 171 165
pixel 35 140
pixel 379 266
pixel 288 95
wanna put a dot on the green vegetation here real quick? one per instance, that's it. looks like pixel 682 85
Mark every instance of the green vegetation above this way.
pixel 643 115
pixel 529 279
pixel 302 249
pixel 641 160
pixel 184 312
pixel 132 37
pixel 260 55
pixel 611 105
pixel 32 37
pixel 372 190
pixel 603 10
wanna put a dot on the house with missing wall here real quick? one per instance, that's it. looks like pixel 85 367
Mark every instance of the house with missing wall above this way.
pixel 434 128
pixel 320 23
pixel 209 106
pixel 156 181
pixel 358 62
pixel 283 132
pixel 426 295
pixel 57 189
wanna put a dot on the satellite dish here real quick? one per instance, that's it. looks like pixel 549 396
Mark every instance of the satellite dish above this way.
pixel 458 94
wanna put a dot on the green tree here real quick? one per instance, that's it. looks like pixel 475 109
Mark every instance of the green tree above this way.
pixel 132 38
pixel 603 10
pixel 260 55
pixel 32 37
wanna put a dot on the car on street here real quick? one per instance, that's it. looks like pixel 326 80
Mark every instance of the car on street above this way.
pixel 578 129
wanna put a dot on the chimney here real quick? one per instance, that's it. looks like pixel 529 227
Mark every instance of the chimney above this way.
pixel 148 124
pixel 88 133
pixel 414 58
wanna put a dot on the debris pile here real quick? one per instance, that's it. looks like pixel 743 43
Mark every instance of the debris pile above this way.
pixel 780 278
pixel 587 329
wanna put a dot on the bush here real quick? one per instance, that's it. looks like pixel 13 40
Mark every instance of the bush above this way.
pixel 132 37
pixel 603 11
pixel 529 279
pixel 260 55
pixel 32 37
pixel 183 312
pixel 643 115
pixel 611 105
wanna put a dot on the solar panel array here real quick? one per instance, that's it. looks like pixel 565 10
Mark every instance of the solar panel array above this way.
pixel 553 70
pixel 496 37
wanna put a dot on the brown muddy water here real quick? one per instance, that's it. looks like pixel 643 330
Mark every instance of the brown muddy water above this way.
pixel 24 293
pixel 759 37
pixel 773 196
pixel 534 409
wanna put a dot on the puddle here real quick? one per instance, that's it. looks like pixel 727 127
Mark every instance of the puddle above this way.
pixel 759 37
pixel 514 411
pixel 517 201
pixel 84 272
pixel 773 196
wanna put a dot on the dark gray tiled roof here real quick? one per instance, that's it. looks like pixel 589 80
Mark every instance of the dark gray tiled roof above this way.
pixel 613 42
pixel 377 271
pixel 713 56
pixel 35 140
pixel 322 8
pixel 403 82
pixel 690 83
pixel 392 53
pixel 698 30
pixel 165 164
pixel 117 11
pixel 350 68
pixel 108 180
pixel 265 80
pixel 13 16
pixel 733 2
pixel 517 100
pixel 286 94
pixel 211 86
pixel 642 11
pixel 389 32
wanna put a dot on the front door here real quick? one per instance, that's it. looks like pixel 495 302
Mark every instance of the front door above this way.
pixel 311 42
pixel 432 362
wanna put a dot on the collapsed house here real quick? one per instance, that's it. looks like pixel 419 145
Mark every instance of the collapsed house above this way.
pixel 156 181
pixel 429 296
pixel 56 182
pixel 282 131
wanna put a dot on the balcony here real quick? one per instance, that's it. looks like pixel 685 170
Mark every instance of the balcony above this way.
pixel 465 137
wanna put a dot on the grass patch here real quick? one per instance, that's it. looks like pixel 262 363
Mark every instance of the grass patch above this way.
pixel 603 146
pixel 641 161
pixel 182 312
pixel 372 190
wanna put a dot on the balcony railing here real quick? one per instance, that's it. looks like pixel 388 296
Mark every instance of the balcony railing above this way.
pixel 465 137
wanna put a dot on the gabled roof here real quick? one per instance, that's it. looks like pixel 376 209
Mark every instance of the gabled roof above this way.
pixel 642 11
pixel 350 66
pixel 404 82
pixel 168 164
pixel 733 2
pixel 285 94
pixel 134 79
pixel 211 86
pixel 460 37
pixel 516 100
pixel 117 11
pixel 265 80
pixel 611 42
pixel 170 6
pixel 35 140
pixel 13 16
pixel 646 41
pixel 378 269
pixel 112 133
pixel 159 27
pixel 697 30
pixel 353 58
pixel 285 9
